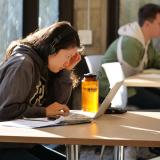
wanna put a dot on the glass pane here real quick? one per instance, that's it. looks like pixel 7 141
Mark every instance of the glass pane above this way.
pixel 10 22
pixel 48 12
pixel 129 9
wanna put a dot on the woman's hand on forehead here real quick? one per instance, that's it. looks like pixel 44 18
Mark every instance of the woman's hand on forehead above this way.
pixel 74 60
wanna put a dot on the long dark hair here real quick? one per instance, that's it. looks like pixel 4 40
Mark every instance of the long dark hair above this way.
pixel 49 40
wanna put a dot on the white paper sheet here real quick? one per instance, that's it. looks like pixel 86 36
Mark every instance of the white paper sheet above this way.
pixel 115 74
pixel 31 122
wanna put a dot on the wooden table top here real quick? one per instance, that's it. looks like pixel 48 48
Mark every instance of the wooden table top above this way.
pixel 129 129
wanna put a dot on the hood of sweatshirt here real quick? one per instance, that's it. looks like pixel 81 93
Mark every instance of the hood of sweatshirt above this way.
pixel 132 30
pixel 24 49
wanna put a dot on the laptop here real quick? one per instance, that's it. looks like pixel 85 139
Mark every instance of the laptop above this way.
pixel 79 116
pixel 75 116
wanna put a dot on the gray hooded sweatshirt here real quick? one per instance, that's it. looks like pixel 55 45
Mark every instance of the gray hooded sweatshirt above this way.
pixel 27 87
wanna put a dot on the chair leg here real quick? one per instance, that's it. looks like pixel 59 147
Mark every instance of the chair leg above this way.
pixel 72 152
pixel 102 152
pixel 118 152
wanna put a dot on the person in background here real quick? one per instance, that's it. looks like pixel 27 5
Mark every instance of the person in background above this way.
pixel 35 81
pixel 134 50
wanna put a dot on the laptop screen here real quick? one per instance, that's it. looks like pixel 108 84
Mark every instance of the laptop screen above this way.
pixel 107 101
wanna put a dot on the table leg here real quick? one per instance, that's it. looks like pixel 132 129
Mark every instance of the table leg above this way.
pixel 72 152
pixel 119 153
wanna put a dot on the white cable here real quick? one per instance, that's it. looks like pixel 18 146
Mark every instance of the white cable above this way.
pixel 88 15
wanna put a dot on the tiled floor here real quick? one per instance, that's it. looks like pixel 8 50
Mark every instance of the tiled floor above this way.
pixel 89 152
pixel 93 153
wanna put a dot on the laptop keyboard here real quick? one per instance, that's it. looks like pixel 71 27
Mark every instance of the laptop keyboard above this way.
pixel 76 116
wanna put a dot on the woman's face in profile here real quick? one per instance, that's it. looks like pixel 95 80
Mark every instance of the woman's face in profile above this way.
pixel 63 59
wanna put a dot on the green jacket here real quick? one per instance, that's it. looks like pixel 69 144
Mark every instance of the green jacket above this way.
pixel 133 51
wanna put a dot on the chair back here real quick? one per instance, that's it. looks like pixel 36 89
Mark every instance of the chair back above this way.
pixel 93 63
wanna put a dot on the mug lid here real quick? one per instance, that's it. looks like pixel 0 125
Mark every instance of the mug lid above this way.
pixel 90 75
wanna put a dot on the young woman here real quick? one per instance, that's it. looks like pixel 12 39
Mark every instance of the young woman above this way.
pixel 35 79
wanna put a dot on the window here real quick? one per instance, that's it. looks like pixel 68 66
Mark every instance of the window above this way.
pixel 129 9
pixel 48 12
pixel 15 25
pixel 10 22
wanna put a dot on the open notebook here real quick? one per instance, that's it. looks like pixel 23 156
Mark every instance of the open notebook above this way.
pixel 75 116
